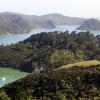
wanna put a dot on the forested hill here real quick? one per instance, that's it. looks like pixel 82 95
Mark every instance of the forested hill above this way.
pixel 80 82
pixel 20 23
pixel 45 51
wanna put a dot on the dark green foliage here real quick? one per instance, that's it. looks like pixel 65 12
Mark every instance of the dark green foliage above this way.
pixel 61 57
pixel 76 83
pixel 3 96
pixel 50 50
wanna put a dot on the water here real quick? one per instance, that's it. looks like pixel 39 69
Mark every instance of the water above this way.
pixel 13 38
pixel 8 75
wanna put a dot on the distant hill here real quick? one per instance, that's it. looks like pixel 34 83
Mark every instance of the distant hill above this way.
pixel 59 19
pixel 90 24
pixel 20 23
pixel 13 23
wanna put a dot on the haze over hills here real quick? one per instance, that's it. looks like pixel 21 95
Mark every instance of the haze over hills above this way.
pixel 59 19
pixel 20 23
pixel 90 24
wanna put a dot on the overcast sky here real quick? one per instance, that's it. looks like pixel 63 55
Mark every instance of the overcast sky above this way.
pixel 77 8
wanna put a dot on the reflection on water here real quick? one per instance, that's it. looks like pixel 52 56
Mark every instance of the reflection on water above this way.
pixel 8 75
pixel 2 79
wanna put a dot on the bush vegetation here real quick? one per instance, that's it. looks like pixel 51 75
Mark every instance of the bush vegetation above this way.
pixel 75 83
pixel 45 51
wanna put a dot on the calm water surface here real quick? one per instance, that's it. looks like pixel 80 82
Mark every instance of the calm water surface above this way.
pixel 13 38
pixel 8 75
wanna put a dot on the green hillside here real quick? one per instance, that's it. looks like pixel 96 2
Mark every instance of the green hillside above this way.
pixel 76 83
pixel 44 54
pixel 82 64
pixel 50 50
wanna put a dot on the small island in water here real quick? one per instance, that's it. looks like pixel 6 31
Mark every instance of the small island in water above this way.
pixel 90 24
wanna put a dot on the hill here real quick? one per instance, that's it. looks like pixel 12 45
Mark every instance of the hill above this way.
pixel 60 19
pixel 90 24
pixel 13 23
pixel 50 50
pixel 75 83
pixel 20 23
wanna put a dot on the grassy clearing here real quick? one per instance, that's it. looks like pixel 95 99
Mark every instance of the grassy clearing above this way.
pixel 82 64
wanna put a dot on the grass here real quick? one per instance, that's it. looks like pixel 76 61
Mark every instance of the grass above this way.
pixel 82 64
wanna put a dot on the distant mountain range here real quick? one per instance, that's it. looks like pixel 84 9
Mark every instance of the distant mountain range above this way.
pixel 90 24
pixel 59 19
pixel 20 23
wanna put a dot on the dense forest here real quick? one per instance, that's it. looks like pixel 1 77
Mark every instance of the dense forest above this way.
pixel 75 83
pixel 50 50
pixel 44 54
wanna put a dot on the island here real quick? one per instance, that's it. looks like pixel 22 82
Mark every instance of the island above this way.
pixel 90 24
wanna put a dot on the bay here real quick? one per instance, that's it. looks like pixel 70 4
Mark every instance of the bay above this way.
pixel 8 75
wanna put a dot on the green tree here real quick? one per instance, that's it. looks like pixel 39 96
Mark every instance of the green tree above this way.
pixel 60 96
pixel 3 96
pixel 61 57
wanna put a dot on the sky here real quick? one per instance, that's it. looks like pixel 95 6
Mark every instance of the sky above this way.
pixel 73 8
